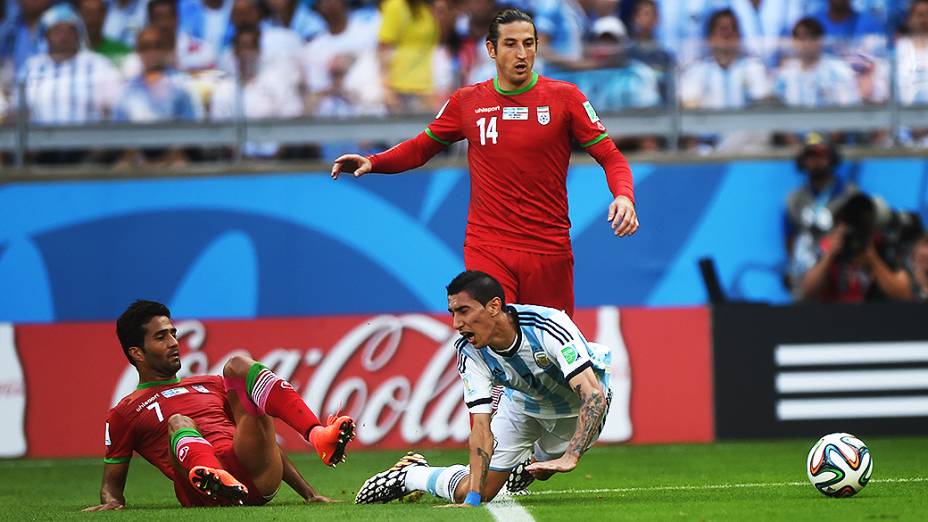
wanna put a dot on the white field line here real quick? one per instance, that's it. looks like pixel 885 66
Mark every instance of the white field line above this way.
pixel 707 487
pixel 505 509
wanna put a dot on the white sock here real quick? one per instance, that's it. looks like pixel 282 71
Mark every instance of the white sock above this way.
pixel 440 482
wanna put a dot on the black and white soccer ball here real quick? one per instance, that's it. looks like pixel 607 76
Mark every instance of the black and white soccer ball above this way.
pixel 839 465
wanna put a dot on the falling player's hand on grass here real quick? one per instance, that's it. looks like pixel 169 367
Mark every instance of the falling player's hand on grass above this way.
pixel 319 499
pixel 622 216
pixel 109 506
pixel 545 469
pixel 355 163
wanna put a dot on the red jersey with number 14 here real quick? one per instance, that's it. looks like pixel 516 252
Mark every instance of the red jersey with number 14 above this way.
pixel 139 422
pixel 519 151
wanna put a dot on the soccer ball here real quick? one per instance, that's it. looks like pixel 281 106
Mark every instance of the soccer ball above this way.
pixel 839 465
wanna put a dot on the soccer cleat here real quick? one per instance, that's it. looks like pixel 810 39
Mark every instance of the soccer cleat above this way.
pixel 519 479
pixel 330 440
pixel 390 484
pixel 218 484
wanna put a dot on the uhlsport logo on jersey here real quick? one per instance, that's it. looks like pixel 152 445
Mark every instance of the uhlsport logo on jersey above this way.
pixel 541 359
pixel 544 115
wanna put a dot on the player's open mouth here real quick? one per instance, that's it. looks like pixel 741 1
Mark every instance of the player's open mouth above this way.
pixel 469 336
pixel 521 67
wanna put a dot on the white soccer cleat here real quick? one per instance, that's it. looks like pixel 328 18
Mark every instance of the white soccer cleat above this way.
pixel 390 484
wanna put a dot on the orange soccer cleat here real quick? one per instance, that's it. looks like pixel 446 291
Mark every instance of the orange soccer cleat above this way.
pixel 331 439
pixel 218 484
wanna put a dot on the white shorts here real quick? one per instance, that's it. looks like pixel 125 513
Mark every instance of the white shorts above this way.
pixel 517 436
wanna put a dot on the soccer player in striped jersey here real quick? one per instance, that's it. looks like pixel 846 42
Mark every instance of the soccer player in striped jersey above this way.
pixel 520 128
pixel 212 436
pixel 554 402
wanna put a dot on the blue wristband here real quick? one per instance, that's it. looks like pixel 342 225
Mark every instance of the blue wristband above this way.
pixel 472 498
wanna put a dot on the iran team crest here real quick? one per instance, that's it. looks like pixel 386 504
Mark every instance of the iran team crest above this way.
pixel 544 115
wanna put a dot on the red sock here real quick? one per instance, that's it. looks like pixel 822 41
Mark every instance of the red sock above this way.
pixel 278 398
pixel 192 450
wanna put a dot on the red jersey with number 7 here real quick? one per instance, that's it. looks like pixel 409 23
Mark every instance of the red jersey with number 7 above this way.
pixel 519 150
pixel 139 421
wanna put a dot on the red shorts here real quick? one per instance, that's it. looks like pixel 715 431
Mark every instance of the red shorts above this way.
pixel 527 277
pixel 190 497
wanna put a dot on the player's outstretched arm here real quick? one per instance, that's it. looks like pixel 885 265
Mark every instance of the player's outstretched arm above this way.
pixel 592 409
pixel 622 216
pixel 481 450
pixel 357 164
pixel 295 480
pixel 112 491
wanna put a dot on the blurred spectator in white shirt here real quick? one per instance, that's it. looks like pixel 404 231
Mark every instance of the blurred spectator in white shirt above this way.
pixel 160 93
pixel 351 42
pixel 683 26
pixel 124 20
pixel 280 46
pixel 726 80
pixel 813 78
pixel 912 56
pixel 255 93
pixel 765 24
pixel 912 69
pixel 296 15
pixel 69 84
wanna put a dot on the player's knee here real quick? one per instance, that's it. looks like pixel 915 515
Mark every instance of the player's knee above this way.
pixel 178 421
pixel 237 366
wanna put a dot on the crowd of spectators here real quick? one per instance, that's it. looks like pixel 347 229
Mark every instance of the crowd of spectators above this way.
pixel 85 61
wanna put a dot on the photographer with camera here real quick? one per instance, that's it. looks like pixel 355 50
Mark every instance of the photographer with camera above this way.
pixel 809 209
pixel 856 262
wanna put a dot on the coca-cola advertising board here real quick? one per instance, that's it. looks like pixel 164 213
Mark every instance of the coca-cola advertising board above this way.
pixel 395 374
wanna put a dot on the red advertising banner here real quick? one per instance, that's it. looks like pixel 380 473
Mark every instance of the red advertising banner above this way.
pixel 395 374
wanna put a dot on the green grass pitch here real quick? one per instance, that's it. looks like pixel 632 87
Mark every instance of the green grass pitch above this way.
pixel 725 481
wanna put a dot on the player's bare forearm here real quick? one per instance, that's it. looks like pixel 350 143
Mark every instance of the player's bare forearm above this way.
pixel 592 409
pixel 298 483
pixel 481 451
pixel 112 490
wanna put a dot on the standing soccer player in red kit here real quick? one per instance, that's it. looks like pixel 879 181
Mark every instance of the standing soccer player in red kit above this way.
pixel 212 436
pixel 519 128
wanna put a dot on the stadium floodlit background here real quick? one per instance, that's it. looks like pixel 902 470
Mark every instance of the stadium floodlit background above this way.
pixel 178 151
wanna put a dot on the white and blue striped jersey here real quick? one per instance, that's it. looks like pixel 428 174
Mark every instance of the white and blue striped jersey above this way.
pixel 549 351
pixel 82 89
pixel 830 82
pixel 708 85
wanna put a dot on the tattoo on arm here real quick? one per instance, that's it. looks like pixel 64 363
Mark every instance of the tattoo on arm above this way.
pixel 591 414
pixel 484 467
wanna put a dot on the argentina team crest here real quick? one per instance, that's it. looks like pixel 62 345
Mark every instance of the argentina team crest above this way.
pixel 544 115
pixel 541 358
